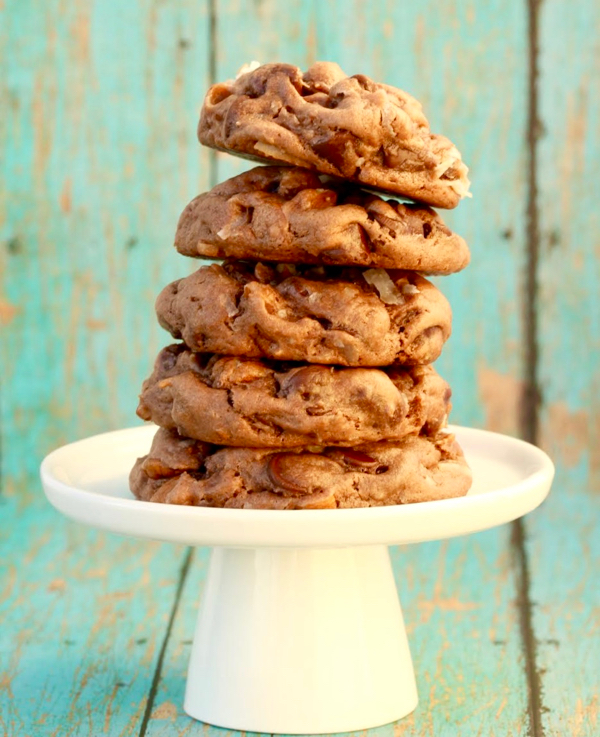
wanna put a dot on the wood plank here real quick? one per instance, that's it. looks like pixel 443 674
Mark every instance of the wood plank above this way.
pixel 459 596
pixel 100 164
pixel 97 131
pixel 564 544
pixel 83 620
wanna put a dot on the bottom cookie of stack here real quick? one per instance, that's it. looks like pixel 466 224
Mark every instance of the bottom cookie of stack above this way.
pixel 416 468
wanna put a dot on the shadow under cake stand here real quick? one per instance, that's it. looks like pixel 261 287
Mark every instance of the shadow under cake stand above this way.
pixel 300 629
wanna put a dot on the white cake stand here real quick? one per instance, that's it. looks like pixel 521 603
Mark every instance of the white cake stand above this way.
pixel 300 630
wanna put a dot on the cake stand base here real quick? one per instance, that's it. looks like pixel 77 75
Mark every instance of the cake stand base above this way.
pixel 301 641
pixel 300 630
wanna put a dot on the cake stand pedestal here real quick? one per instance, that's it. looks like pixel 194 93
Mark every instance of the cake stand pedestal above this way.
pixel 300 629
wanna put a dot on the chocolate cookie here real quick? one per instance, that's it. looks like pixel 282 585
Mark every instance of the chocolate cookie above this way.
pixel 246 402
pixel 292 215
pixel 321 315
pixel 349 127
pixel 414 469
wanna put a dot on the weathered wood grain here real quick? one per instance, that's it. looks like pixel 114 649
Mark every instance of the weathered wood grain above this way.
pixel 99 103
pixel 459 596
pixel 99 130
pixel 564 543
pixel 97 134
pixel 83 619
pixel 167 718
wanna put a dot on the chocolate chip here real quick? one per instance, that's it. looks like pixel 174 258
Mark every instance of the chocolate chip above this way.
pixel 333 148
pixel 392 225
pixel 364 238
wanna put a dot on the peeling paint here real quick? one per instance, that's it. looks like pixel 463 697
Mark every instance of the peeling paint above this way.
pixel 93 324
pixel 65 196
pixel 8 312
pixel 57 584
pixel 586 715
pixel 569 435
pixel 501 396
pixel 448 604
pixel 166 710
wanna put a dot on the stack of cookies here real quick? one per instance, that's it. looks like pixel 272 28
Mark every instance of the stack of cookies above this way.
pixel 304 377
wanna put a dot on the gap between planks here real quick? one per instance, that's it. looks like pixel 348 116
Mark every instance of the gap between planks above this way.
pixel 183 572
pixel 531 394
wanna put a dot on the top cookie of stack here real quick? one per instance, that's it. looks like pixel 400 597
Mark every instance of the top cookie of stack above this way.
pixel 330 275
pixel 349 127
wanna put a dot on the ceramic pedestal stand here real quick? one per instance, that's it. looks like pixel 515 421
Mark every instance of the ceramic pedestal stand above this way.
pixel 300 629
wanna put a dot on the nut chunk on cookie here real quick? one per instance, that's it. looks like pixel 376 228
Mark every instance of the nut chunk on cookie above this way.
pixel 348 127
pixel 292 215
pixel 247 402
pixel 415 469
pixel 332 315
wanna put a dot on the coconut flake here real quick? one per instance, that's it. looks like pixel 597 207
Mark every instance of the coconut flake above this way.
pixel 461 186
pixel 448 159
pixel 409 289
pixel 273 152
pixel 246 68
pixel 231 308
pixel 225 231
pixel 388 291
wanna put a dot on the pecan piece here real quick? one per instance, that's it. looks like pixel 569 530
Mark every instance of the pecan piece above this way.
pixel 358 458
pixel 300 474
pixel 305 380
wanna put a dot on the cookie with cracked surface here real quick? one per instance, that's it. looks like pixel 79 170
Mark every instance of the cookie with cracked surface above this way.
pixel 317 314
pixel 417 468
pixel 348 127
pixel 288 214
pixel 227 400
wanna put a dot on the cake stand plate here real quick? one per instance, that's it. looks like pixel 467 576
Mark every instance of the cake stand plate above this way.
pixel 300 629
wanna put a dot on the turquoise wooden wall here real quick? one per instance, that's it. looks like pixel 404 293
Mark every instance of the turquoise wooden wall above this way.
pixel 98 155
